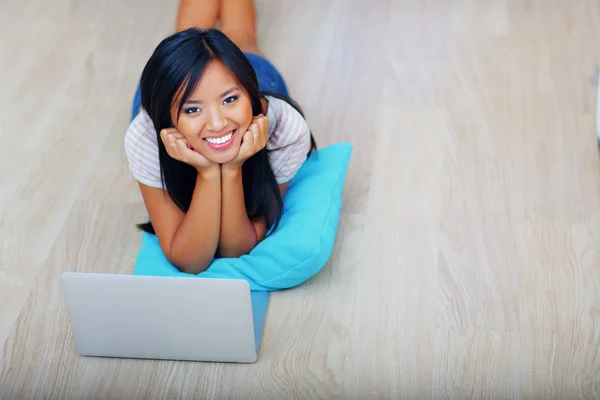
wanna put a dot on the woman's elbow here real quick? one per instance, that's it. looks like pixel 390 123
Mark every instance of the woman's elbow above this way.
pixel 234 253
pixel 193 267
pixel 239 250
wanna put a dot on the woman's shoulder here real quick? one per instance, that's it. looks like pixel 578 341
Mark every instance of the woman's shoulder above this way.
pixel 141 129
pixel 289 139
pixel 286 124
pixel 141 149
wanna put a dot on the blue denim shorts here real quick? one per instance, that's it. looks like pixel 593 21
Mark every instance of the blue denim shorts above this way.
pixel 269 80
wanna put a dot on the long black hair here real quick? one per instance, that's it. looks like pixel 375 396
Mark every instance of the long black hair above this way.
pixel 176 67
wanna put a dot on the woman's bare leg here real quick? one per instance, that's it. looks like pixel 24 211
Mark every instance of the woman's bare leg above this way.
pixel 197 14
pixel 238 22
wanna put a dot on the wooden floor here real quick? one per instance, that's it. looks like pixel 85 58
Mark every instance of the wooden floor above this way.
pixel 467 261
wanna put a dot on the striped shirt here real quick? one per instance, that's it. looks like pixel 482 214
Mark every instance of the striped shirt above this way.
pixel 288 144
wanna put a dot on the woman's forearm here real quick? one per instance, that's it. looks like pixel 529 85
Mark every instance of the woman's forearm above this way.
pixel 195 242
pixel 237 236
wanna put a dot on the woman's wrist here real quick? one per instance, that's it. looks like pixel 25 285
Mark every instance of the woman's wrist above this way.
pixel 209 172
pixel 231 170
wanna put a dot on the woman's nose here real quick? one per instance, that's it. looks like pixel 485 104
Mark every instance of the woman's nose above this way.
pixel 216 121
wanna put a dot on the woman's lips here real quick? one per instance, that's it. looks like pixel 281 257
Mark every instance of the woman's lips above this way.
pixel 221 143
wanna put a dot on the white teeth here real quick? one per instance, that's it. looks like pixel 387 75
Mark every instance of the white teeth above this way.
pixel 220 140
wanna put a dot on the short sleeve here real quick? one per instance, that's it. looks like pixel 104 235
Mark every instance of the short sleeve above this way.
pixel 142 151
pixel 289 140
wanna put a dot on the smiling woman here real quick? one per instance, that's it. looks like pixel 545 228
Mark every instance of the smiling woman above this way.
pixel 211 153
pixel 215 114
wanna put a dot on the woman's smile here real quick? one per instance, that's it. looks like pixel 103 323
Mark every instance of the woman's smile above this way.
pixel 221 142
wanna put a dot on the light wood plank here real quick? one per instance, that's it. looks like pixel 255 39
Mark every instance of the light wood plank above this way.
pixel 466 263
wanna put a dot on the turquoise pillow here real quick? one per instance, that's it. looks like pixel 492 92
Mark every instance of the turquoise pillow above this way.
pixel 301 245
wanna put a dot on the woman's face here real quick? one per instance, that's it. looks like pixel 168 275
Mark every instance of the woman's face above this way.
pixel 216 116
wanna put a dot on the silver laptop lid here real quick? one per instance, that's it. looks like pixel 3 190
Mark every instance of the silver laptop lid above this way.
pixel 118 315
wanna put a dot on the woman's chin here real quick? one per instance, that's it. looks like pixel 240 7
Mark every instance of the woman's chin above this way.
pixel 221 157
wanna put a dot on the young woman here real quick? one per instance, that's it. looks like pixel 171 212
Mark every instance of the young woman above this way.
pixel 216 142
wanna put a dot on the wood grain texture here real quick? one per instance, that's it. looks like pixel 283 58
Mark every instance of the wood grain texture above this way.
pixel 466 263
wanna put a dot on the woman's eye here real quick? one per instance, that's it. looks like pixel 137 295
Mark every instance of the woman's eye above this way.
pixel 192 110
pixel 230 99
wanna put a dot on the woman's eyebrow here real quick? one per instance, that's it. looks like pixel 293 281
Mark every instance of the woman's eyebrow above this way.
pixel 233 89
pixel 225 93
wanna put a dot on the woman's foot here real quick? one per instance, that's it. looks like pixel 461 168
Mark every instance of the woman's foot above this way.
pixel 201 14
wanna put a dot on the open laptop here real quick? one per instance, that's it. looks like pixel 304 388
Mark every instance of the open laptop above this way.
pixel 174 318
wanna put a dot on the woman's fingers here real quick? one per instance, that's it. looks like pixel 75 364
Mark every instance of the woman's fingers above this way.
pixel 247 143
pixel 175 143
pixel 170 134
pixel 182 148
pixel 256 129
pixel 249 137
pixel 263 124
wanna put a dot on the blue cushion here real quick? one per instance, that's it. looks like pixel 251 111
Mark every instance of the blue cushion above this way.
pixel 301 245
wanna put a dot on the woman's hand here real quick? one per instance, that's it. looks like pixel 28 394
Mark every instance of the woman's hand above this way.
pixel 180 149
pixel 253 141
